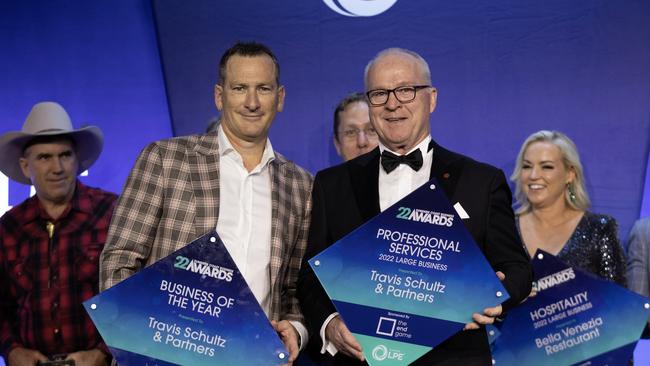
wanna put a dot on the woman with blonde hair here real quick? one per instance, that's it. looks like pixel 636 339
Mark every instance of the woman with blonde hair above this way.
pixel 553 208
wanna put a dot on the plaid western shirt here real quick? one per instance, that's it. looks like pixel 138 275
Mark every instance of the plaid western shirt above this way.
pixel 47 269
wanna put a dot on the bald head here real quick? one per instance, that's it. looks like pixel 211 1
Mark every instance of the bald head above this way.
pixel 400 53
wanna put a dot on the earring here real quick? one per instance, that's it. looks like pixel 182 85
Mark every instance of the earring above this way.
pixel 572 195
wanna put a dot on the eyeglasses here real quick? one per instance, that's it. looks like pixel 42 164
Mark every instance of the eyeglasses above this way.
pixel 353 133
pixel 403 94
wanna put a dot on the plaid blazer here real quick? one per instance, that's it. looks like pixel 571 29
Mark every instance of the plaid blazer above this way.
pixel 172 197
pixel 638 257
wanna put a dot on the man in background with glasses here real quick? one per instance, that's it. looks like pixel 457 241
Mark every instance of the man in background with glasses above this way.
pixel 353 133
pixel 401 99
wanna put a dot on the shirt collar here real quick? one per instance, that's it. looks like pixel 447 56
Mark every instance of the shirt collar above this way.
pixel 423 146
pixel 79 202
pixel 226 148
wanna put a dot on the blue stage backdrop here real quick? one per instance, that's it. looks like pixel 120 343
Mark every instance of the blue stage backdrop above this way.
pixel 503 70
pixel 99 60
pixel 645 205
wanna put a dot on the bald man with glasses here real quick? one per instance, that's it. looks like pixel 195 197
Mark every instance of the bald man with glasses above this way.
pixel 401 99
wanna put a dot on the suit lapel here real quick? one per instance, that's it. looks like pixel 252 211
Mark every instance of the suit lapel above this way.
pixel 204 175
pixel 364 175
pixel 443 170
pixel 281 183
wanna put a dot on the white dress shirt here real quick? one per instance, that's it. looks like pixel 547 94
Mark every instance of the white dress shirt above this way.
pixel 392 188
pixel 244 223
pixel 403 180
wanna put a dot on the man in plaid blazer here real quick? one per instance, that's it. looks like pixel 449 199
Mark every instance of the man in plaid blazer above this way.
pixel 231 180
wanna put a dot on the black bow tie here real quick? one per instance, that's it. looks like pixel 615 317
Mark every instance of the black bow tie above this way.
pixel 390 161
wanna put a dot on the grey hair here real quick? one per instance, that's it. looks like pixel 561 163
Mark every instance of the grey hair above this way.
pixel 570 159
pixel 395 50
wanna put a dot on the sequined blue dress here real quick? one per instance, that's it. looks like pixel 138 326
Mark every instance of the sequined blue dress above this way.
pixel 594 247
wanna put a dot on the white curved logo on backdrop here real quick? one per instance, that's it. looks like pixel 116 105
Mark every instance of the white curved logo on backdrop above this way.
pixel 359 8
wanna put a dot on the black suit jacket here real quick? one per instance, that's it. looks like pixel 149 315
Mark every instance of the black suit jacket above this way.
pixel 347 195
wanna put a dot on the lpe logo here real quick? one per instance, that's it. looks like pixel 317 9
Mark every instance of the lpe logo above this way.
pixel 359 8
pixel 381 353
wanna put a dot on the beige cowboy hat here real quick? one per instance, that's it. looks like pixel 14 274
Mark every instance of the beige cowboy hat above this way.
pixel 48 119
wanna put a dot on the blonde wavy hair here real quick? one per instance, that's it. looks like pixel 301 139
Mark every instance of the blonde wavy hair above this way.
pixel 571 160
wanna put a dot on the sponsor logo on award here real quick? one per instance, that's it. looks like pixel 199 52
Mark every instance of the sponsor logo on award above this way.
pixel 425 216
pixel 203 268
pixel 381 353
pixel 554 279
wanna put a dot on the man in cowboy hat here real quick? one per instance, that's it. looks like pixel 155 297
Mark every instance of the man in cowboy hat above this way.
pixel 50 243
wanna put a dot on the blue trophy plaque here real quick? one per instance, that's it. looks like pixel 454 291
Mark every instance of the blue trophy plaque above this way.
pixel 575 318
pixel 192 307
pixel 409 278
